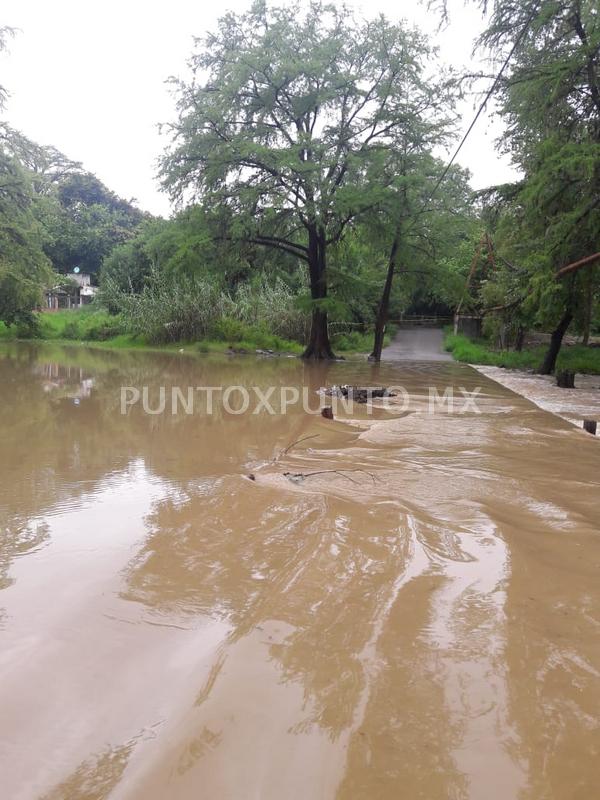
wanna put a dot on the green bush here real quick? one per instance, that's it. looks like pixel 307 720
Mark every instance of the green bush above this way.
pixel 84 324
pixel 357 342
pixel 353 341
pixel 177 308
pixel 229 330
pixel 71 330
pixel 102 328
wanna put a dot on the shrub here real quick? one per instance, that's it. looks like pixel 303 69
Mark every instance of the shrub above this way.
pixel 71 330
pixel 353 340
pixel 229 330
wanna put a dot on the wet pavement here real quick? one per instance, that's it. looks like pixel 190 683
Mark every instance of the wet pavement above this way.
pixel 417 344
pixel 574 405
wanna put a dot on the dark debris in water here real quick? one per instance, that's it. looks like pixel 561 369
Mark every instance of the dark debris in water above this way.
pixel 359 393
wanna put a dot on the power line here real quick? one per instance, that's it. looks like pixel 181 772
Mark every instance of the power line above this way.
pixel 481 108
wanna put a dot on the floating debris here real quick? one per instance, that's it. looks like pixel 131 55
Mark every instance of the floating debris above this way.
pixel 362 394
pixel 298 477
pixel 291 446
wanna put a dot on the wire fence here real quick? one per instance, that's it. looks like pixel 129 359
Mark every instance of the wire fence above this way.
pixel 405 320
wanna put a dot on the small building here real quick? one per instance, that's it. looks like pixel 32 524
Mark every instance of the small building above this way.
pixel 76 291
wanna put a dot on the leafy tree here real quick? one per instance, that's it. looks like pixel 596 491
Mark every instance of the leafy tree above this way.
pixel 415 224
pixel 288 122
pixel 5 35
pixel 81 218
pixel 45 166
pixel 24 269
pixel 49 207
pixel 550 101
pixel 191 245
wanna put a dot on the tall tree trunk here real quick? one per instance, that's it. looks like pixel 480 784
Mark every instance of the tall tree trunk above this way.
pixel 520 339
pixel 384 305
pixel 555 343
pixel 588 308
pixel 319 346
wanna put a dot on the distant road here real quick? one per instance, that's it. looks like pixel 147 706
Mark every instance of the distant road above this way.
pixel 417 344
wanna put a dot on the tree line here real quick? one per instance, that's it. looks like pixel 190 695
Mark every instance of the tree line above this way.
pixel 306 155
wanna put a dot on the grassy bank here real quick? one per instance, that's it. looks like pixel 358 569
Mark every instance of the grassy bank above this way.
pixel 98 328
pixel 575 357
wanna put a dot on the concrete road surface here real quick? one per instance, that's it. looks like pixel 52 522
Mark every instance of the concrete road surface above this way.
pixel 417 344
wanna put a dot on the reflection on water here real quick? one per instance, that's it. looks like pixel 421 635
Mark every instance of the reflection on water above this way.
pixel 426 627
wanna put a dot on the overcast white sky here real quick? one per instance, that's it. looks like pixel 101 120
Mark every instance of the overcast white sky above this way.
pixel 89 78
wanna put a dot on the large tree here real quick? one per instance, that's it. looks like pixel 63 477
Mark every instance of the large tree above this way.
pixel 24 269
pixel 5 34
pixel 81 218
pixel 288 120
pixel 417 227
pixel 549 99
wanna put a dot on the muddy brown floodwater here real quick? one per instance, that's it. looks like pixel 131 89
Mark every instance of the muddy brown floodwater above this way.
pixel 428 628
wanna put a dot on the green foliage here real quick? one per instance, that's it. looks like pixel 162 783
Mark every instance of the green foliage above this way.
pixel 229 330
pixel 550 102
pixel 575 357
pixel 242 336
pixel 86 324
pixel 353 342
pixel 79 219
pixel 24 269
pixel 294 122
pixel 82 229
pixel 274 305
pixel 479 352
pixel 184 308
pixel 52 214
pixel 128 265
pixel 168 310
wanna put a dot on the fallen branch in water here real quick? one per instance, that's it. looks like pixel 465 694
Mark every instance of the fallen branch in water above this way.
pixel 298 441
pixel 294 444
pixel 296 477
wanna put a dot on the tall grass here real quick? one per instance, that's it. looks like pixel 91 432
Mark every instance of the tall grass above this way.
pixel 88 324
pixel 575 357
pixel 170 311
pixel 273 306
pixel 192 308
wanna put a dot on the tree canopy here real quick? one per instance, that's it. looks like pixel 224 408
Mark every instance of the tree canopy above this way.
pixel 306 162
pixel 292 119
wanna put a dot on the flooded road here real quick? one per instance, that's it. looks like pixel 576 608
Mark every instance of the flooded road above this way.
pixel 424 626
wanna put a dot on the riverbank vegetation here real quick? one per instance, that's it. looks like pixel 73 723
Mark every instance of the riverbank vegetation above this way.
pixel 578 358
pixel 313 206
pixel 95 325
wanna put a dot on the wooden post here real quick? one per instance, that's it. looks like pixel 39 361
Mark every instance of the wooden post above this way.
pixel 590 425
pixel 565 379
